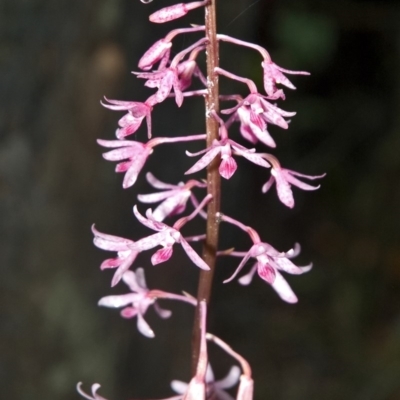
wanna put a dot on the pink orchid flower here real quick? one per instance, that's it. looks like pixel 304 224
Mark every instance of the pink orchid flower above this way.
pixel 269 263
pixel 131 121
pixel 126 256
pixel 273 74
pixel 254 114
pixel 214 389
pixel 167 236
pixel 228 165
pixel 284 178
pixel 164 80
pixel 94 395
pixel 137 302
pixel 135 154
pixel 174 197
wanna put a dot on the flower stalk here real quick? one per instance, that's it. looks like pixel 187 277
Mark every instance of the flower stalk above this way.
pixel 213 177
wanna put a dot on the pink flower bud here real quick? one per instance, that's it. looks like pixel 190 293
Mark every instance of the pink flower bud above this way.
pixel 176 11
pixel 169 13
pixel 154 54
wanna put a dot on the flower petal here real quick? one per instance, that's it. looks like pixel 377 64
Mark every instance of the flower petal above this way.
pixel 162 312
pixel 143 327
pixel 162 255
pixel 283 289
pixel 231 379
pixel 193 255
pixel 204 161
pixel 119 300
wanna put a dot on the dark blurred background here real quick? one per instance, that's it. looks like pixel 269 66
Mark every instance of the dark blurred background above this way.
pixel 341 341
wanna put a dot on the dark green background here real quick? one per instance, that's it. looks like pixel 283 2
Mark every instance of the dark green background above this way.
pixel 342 341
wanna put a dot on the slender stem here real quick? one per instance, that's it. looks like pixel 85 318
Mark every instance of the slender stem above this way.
pixel 213 177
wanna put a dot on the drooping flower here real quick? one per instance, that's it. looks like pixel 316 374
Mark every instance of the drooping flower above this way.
pixel 164 80
pixel 167 236
pixel 126 256
pixel 228 165
pixel 254 114
pixel 174 197
pixel 269 264
pixel 131 121
pixel 94 396
pixel 273 74
pixel 136 303
pixel 284 178
pixel 135 154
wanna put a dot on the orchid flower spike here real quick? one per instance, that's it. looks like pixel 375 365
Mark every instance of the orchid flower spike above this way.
pixel 137 302
pixel 94 396
pixel 174 12
pixel 167 236
pixel 126 256
pixel 174 197
pixel 284 178
pixel 131 121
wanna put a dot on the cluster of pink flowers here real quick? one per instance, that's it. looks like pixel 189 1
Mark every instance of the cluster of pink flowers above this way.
pixel 171 77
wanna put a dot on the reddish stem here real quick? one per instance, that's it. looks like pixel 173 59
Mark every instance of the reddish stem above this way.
pixel 213 177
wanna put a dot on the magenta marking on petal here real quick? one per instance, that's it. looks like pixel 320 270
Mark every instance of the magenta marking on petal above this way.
pixel 227 167
pixel 161 255
pixel 267 273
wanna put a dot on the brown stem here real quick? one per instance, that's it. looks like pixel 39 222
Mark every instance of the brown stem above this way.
pixel 213 177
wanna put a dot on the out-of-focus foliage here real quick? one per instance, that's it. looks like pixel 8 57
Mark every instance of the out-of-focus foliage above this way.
pixel 342 341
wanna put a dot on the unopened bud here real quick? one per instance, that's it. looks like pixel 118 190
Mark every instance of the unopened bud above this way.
pixel 174 12
pixel 154 54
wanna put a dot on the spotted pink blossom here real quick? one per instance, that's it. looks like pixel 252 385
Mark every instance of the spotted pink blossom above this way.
pixel 126 256
pixel 173 197
pixel 284 178
pixel 273 74
pixel 176 11
pixel 225 148
pixel 136 303
pixel 268 266
pixel 254 114
pixel 94 395
pixel 167 236
pixel 134 153
pixel 131 121
pixel 164 80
